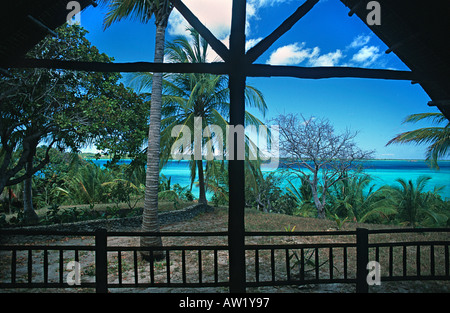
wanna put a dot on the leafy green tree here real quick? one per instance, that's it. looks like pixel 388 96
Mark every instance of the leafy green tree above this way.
pixel 144 10
pixel 56 107
pixel 438 138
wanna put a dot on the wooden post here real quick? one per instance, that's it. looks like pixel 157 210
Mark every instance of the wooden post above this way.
pixel 101 262
pixel 362 259
pixel 236 225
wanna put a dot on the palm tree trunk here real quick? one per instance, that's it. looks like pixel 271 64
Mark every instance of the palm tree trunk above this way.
pixel 150 220
pixel 201 183
pixel 30 217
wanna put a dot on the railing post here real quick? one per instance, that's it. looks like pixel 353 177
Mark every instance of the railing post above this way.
pixel 362 259
pixel 101 262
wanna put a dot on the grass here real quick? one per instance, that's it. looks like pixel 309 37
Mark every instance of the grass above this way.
pixel 164 206
pixel 217 220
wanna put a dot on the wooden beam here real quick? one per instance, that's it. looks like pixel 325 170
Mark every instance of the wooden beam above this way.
pixel 254 70
pixel 263 70
pixel 354 8
pixel 42 26
pixel 255 52
pixel 212 68
pixel 215 44
pixel 236 174
pixel 442 103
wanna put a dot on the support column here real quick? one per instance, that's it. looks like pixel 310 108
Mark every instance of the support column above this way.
pixel 236 177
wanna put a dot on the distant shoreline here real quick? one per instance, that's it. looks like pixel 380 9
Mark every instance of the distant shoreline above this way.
pixel 85 156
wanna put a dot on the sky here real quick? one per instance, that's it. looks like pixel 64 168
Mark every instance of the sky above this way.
pixel 326 36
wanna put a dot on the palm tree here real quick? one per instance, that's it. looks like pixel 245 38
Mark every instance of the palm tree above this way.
pixel 303 195
pixel 192 96
pixel 411 200
pixel 438 138
pixel 355 198
pixel 144 10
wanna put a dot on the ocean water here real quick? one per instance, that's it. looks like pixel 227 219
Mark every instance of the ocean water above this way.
pixel 383 172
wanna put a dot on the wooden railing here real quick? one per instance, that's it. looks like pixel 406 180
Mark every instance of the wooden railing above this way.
pixel 283 258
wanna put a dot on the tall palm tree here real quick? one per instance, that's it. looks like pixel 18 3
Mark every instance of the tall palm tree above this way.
pixel 144 10
pixel 196 95
pixel 438 138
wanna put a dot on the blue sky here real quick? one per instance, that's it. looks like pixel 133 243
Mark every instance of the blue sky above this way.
pixel 326 36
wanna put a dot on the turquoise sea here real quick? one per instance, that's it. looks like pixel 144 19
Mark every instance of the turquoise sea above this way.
pixel 383 172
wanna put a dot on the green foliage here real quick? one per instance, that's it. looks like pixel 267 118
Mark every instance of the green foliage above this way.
pixel 437 138
pixel 340 222
pixel 267 195
pixel 355 198
pixel 416 207
pixel 303 197
pixel 66 109
pixel 187 96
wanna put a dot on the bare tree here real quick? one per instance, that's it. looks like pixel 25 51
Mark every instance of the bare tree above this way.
pixel 313 150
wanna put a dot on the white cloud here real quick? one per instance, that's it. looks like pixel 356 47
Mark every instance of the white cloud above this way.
pixel 296 53
pixel 251 43
pixel 215 15
pixel 329 59
pixel 360 41
pixel 289 55
pixel 367 55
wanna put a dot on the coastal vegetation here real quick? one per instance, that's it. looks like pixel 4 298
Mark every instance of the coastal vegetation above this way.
pixel 48 116
pixel 72 189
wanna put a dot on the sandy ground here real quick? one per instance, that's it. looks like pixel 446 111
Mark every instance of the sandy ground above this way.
pixel 128 259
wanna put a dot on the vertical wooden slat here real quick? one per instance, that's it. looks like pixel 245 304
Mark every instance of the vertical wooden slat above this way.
pixel 183 265
pixel 316 261
pixel 391 261
pixel 257 265
pixel 216 267
pixel 272 263
pixel 135 264
pixel 447 261
pixel 331 262
pixel 345 263
pixel 432 264
pixel 30 265
pixel 404 260
pixel 119 266
pixel 45 265
pixel 302 264
pixel 200 274
pixel 168 265
pixel 152 267
pixel 61 266
pixel 288 266
pixel 13 266
pixel 418 260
